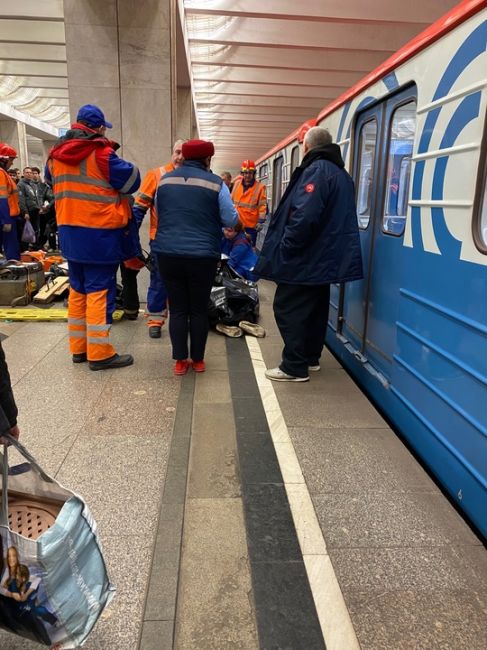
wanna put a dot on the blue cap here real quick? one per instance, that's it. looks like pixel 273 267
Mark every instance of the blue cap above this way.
pixel 93 116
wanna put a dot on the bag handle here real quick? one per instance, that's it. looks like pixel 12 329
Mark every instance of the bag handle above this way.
pixel 4 457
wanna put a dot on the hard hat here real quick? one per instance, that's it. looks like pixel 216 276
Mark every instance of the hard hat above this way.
pixel 248 166
pixel 6 151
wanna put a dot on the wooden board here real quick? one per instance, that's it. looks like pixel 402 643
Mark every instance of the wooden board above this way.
pixel 52 289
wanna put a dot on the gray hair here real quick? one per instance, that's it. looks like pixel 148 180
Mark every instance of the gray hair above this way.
pixel 178 143
pixel 317 136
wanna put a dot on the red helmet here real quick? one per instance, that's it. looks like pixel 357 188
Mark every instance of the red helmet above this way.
pixel 6 151
pixel 248 166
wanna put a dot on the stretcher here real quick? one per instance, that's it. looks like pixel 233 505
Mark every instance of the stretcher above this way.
pixel 42 314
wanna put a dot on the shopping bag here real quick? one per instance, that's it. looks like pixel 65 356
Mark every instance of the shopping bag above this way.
pixel 28 233
pixel 54 583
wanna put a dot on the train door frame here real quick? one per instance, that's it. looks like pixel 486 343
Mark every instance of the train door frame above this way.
pixel 362 345
pixel 353 335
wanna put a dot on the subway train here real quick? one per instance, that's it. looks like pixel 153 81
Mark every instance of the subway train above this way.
pixel 413 332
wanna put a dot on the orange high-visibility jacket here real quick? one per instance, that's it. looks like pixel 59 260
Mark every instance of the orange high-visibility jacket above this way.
pixel 85 198
pixel 8 190
pixel 251 203
pixel 147 193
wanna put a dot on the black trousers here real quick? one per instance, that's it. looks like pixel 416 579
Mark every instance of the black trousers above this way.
pixel 188 281
pixel 301 314
pixel 130 292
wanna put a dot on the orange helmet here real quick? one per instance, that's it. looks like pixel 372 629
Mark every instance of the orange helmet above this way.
pixel 248 166
pixel 6 151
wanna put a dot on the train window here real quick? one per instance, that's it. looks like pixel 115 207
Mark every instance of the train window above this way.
pixel 277 182
pixel 367 143
pixel 294 158
pixel 401 139
pixel 263 173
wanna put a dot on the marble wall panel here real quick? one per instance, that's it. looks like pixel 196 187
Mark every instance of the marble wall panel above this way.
pixel 90 12
pixel 184 117
pixel 144 57
pixel 92 55
pixel 147 127
pixel 140 14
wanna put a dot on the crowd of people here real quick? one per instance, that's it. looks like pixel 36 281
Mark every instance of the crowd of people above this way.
pixel 195 216
pixel 31 200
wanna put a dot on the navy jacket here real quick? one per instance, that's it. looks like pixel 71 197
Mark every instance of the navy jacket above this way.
pixel 192 206
pixel 313 236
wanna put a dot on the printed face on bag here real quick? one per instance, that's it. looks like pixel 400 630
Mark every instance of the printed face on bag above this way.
pixel 24 606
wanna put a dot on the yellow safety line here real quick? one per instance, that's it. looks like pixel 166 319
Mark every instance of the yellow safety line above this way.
pixel 42 314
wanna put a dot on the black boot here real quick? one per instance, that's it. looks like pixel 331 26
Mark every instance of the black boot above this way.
pixel 80 358
pixel 117 361
pixel 155 332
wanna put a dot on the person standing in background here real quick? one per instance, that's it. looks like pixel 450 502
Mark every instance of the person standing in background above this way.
pixel 193 205
pixel 45 199
pixel 227 179
pixel 250 199
pixel 9 205
pixel 313 240
pixel 91 187
pixel 156 311
pixel 29 203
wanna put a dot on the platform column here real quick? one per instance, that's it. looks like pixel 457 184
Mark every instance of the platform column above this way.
pixel 13 133
pixel 119 57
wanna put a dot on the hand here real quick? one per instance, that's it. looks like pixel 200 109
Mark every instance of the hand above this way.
pixel 26 217
pixel 7 227
pixel 14 432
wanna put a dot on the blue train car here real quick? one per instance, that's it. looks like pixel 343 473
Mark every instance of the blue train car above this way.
pixel 413 332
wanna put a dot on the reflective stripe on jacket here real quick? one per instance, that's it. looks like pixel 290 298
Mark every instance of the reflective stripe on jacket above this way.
pixel 189 218
pixel 85 198
pixel 251 203
pixel 145 199
pixel 8 190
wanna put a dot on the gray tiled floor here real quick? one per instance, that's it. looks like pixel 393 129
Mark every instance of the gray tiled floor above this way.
pixel 105 435
pixel 412 573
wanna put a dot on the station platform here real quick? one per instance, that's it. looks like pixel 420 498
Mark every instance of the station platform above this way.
pixel 236 513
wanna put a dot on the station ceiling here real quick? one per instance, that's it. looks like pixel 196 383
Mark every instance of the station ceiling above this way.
pixel 258 68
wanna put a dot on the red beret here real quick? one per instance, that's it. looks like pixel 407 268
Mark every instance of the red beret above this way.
pixel 197 149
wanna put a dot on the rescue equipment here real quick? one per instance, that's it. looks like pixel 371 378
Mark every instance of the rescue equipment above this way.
pixel 34 314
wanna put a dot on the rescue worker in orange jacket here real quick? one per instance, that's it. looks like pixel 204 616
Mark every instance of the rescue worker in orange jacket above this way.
pixel 250 198
pixel 91 190
pixel 156 313
pixel 9 205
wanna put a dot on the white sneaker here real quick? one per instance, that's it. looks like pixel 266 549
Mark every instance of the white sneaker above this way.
pixel 314 368
pixel 276 374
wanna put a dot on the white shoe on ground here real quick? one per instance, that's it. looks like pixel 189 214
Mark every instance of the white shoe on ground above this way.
pixel 229 330
pixel 276 374
pixel 314 368
pixel 252 328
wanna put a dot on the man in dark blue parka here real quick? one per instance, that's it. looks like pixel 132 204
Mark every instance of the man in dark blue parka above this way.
pixel 312 241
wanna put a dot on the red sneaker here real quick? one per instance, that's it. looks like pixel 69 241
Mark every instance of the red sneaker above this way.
pixel 199 366
pixel 181 367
